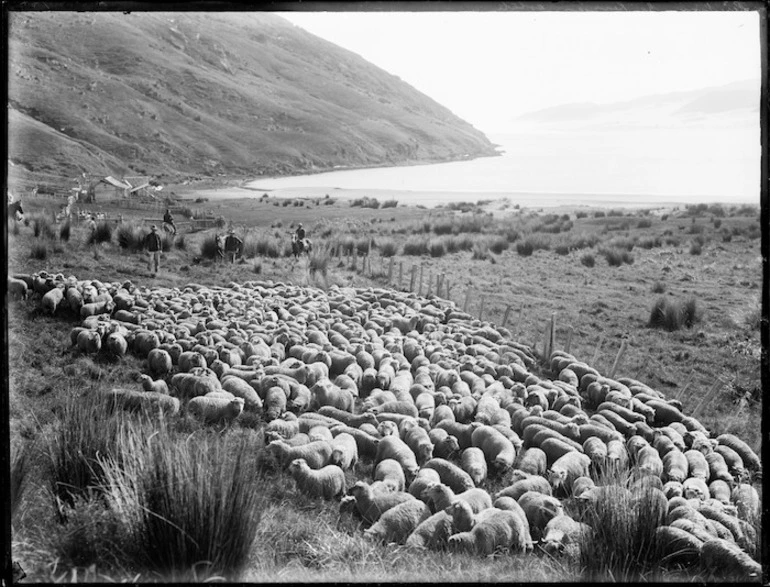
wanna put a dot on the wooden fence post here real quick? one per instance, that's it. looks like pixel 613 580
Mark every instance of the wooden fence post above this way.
pixel 570 332
pixel 707 398
pixel 596 351
pixel 390 271
pixel 618 358
pixel 430 283
pixel 419 291
pixel 505 316
pixel 481 308
pixel 467 299
pixel 411 281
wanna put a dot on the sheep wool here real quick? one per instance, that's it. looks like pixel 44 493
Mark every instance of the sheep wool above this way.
pixel 89 341
pixel 240 388
pixel 159 362
pixel 344 451
pixel 215 409
pixel 396 524
pixel 539 509
pixel 17 289
pixel 422 481
pixel 327 482
pixel 564 536
pixel 442 497
pixel 502 530
pixel 132 400
pixel 148 384
pixel 390 472
pixel 316 454
pixel 450 474
pixel 116 344
pixel 371 505
pixel 473 462
pixel 392 447
pixel 432 533
pixel 568 468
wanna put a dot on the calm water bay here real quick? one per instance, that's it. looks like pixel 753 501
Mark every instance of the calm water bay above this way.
pixel 551 168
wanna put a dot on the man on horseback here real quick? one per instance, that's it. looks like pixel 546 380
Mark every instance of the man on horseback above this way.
pixel 299 244
pixel 168 222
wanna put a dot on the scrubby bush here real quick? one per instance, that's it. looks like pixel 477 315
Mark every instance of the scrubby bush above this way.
pixel 318 262
pixel 649 242
pixel 480 252
pixel 644 223
pixel 696 228
pixel 498 245
pixel 64 231
pixel 363 245
pixel 587 259
pixel 102 234
pixel 525 248
pixel 39 251
pixel 614 212
pixel 717 222
pixel 581 214
pixel 436 247
pixel 459 243
pixel 672 315
pixel 615 257
pixel 599 214
pixel 561 249
pixel 659 287
pixel 365 202
pixel 130 236
pixel 389 204
pixel 696 248
pixel 209 248
pixel 388 248
pixel 416 246
pixel 43 226
pixel 511 234
pixel 180 242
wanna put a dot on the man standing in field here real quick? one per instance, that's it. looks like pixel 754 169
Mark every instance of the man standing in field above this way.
pixel 154 245
pixel 232 245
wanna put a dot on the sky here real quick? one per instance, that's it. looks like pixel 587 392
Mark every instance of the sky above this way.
pixel 488 67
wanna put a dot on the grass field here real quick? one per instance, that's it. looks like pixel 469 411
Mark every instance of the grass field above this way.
pixel 681 288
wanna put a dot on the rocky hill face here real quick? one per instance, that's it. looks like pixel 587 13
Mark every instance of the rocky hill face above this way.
pixel 181 95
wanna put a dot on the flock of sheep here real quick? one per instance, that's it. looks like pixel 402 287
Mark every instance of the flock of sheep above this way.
pixel 438 403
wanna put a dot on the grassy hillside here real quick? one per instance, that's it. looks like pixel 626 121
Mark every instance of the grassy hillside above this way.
pixel 207 94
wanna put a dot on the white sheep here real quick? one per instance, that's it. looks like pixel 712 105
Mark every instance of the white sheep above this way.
pixel 116 344
pixel 131 399
pixel 419 441
pixel 422 481
pixel 564 536
pixel 392 447
pixel 501 529
pixel 159 362
pixel 189 359
pixel 240 388
pixel 473 462
pixel 274 404
pixel 726 558
pixel 441 497
pixel 432 533
pixel 522 486
pixel 396 524
pixel 215 409
pixel 746 499
pixel 568 468
pixel 327 482
pixel 316 454
pixel 148 384
pixel 371 505
pixel 539 509
pixel 390 472
pixel 188 385
pixel 17 289
pixel 450 474
pixel 344 451
pixel 89 341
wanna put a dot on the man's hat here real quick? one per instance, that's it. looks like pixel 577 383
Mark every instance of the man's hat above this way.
pixel 154 228
pixel 231 231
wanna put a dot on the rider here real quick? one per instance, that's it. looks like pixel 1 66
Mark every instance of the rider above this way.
pixel 300 232
pixel 169 220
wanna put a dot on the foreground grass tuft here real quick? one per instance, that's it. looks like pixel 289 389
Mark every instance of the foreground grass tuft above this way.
pixel 672 315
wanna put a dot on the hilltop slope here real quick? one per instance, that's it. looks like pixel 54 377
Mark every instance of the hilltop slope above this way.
pixel 202 94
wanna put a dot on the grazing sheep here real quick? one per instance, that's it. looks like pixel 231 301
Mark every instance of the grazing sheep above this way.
pixel 344 451
pixel 450 474
pixel 188 385
pixel 418 440
pixel 501 530
pixel 116 344
pixel 718 468
pixel 750 459
pixel 17 289
pixel 89 341
pixel 697 464
pixel 274 404
pixel 441 497
pixel 158 386
pixel 320 432
pixel 473 462
pixel 675 466
pixel 316 454
pixel 648 460
pixel 733 460
pixel 366 443
pixel 498 450
pixel 581 485
pixel 347 418
pixel 215 409
pixel 678 545
pixel 399 522
pixel 746 499
pixel 327 482
pixel 371 505
pixel 391 473
pixel 52 299
pixel 695 488
pixel 285 427
pixel 564 536
pixel 240 388
pixel 422 481
pixel 539 509
pixel 522 486
pixel 132 400
pixel 532 460
pixel 387 428
pixel 444 444
pixel 725 558
pixel 392 447
pixel 325 393
pixel 159 362
pixel 432 533
pixel 566 469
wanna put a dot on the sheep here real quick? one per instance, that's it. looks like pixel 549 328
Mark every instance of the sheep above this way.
pixel 450 474
pixel 346 417
pixel 188 385
pixel 581 485
pixel 89 341
pixel 325 393
pixel 159 362
pixel 432 533
pixel 498 450
pixel 566 469
pixel 441 497
pixel 399 522
pixel 697 464
pixel 675 466
pixel 327 482
pixel 422 481
pixel 344 451
pixel 158 386
pixel 371 505
pixel 502 529
pixel 316 454
pixel 116 344
pixel 418 440
pixel 678 545
pixel 522 486
pixel 274 403
pixel 387 428
pixel 52 299
pixel 390 472
pixel 392 447
pixel 240 388
pixel 718 468
pixel 564 535
pixel 648 461
pixel 131 399
pixel 732 523
pixel 539 509
pixel 473 462
pixel 531 460
pixel 17 289
pixel 726 558
pixel 444 444
pixel 286 427
pixel 215 409
pixel 320 432
pixel 746 499
pixel 748 456
pixel 695 488
pixel 732 459
pixel 366 443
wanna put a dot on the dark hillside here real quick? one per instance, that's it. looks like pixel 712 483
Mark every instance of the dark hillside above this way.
pixel 203 94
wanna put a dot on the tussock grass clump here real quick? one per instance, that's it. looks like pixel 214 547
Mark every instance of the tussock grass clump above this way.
pixel 697 228
pixel 43 226
pixel 696 248
pixel 39 251
pixel 620 242
pixel 622 545
pixel 64 231
pixel 389 204
pixel 581 214
pixel 599 214
pixel 649 242
pixel 166 242
pixel 616 257
pixel 180 242
pixel 511 234
pixel 672 315
pixel 532 243
pixel 436 247
pixel 364 245
pixel 130 236
pixel 416 246
pixel 191 506
pixel 480 252
pixel 717 222
pixel 727 236
pixel 365 202
pixel 561 249
pixel 209 247
pixel 19 474
pixel 102 233
pixel 388 248
pixel 459 243
pixel 319 262
pixel 498 245
pixel 658 287
pixel 587 259
pixel 644 223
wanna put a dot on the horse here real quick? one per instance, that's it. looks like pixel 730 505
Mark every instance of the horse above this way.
pixel 299 246
pixel 15 210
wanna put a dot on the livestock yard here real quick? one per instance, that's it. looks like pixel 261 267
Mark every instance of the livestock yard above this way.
pixel 479 393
